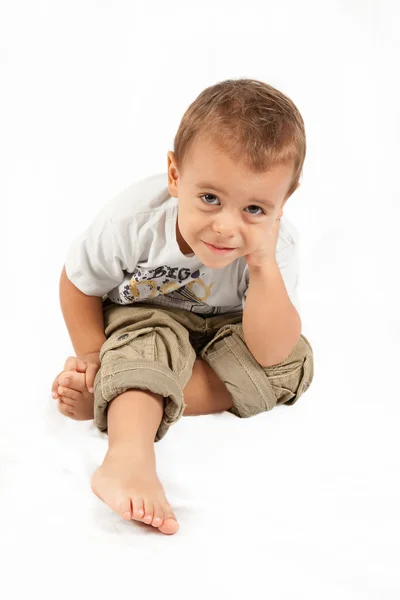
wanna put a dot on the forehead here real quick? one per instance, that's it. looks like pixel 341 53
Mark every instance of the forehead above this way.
pixel 212 169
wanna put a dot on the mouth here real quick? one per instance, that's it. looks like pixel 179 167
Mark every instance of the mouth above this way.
pixel 219 249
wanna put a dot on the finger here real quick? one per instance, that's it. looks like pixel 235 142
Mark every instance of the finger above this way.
pixel 73 363
pixel 70 363
pixel 80 365
pixel 90 377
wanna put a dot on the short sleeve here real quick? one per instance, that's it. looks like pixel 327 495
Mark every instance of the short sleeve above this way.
pixel 96 260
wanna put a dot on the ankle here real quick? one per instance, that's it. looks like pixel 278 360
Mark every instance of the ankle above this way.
pixel 132 452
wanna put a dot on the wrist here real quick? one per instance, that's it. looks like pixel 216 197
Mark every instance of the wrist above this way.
pixel 94 355
pixel 266 268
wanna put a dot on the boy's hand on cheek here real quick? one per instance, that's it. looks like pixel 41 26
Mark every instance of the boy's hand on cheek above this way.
pixel 266 252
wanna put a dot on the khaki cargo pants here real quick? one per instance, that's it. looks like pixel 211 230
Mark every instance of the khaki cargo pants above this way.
pixel 153 348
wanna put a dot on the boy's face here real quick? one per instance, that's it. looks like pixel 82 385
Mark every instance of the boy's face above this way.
pixel 218 206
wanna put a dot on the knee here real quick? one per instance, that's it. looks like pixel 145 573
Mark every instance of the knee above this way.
pixel 255 388
pixel 292 377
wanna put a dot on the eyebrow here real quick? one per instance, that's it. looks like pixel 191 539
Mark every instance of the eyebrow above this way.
pixel 267 203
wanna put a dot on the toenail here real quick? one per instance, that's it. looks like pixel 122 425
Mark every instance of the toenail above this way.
pixel 157 520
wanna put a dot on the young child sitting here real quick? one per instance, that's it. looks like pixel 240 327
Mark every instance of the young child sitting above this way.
pixel 180 298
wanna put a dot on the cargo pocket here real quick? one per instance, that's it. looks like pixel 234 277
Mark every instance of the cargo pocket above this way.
pixel 164 347
pixel 120 339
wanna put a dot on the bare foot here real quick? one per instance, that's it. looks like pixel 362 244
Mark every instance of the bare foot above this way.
pixel 128 483
pixel 75 401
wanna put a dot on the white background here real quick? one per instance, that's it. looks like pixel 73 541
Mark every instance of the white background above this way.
pixel 299 502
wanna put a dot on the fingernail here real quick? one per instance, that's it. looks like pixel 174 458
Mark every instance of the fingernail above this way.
pixel 54 395
pixel 66 380
pixel 91 390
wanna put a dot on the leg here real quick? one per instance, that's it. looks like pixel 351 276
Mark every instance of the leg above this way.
pixel 146 362
pixel 127 480
pixel 205 393
pixel 255 388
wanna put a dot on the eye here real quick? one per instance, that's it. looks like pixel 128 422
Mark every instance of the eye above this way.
pixel 254 214
pixel 212 195
pixel 257 208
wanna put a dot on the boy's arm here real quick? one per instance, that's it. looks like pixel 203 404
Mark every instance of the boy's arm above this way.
pixel 83 316
pixel 271 324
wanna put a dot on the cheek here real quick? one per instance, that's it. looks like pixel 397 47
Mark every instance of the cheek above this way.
pixel 187 226
pixel 193 224
pixel 253 241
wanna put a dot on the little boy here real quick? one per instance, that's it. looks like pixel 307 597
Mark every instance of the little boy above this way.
pixel 181 296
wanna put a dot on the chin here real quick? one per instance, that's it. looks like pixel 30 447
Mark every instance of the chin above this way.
pixel 216 263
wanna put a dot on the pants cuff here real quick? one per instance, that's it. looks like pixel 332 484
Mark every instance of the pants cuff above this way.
pixel 158 380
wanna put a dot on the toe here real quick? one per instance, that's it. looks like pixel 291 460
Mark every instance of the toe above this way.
pixel 65 409
pixel 73 380
pixel 69 395
pixel 137 508
pixel 157 515
pixel 148 508
pixel 169 524
pixel 70 402
pixel 124 507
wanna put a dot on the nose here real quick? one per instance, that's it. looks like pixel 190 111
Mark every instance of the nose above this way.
pixel 225 226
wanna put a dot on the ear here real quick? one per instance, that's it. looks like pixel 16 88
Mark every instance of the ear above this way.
pixel 173 175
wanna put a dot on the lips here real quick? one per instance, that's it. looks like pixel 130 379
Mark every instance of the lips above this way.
pixel 221 247
pixel 219 250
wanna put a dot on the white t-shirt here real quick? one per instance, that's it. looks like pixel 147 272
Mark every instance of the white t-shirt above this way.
pixel 130 253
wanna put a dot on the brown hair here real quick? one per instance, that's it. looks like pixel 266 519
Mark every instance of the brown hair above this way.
pixel 249 120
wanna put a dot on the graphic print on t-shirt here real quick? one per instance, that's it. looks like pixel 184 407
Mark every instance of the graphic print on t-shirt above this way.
pixel 147 283
pixel 169 286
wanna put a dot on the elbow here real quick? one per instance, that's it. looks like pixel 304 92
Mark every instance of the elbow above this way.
pixel 273 360
pixel 264 364
pixel 275 356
